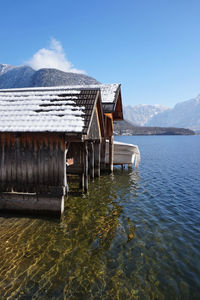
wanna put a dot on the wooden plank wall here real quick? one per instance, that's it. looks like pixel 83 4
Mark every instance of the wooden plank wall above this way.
pixel 32 162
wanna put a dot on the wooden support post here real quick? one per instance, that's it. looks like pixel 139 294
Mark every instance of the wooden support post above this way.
pixel 65 169
pixel 91 160
pixel 111 153
pixel 97 159
pixel 82 152
pixel 103 154
pixel 85 167
pixel 130 166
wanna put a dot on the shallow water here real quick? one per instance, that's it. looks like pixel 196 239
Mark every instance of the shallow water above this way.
pixel 135 235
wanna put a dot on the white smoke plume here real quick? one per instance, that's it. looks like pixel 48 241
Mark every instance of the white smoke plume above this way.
pixel 53 57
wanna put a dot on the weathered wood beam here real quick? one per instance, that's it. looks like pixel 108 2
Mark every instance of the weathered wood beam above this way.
pixel 91 159
pixel 32 203
pixel 31 160
pixel 111 153
pixel 85 166
pixel 103 154
pixel 97 158
pixel 82 162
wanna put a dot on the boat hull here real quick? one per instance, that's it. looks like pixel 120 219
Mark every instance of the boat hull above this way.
pixel 124 154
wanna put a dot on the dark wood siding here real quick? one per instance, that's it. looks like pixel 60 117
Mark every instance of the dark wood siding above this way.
pixel 32 162
pixel 94 132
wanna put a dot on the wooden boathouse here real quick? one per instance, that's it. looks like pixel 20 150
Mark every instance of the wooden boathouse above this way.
pixel 39 129
pixel 112 111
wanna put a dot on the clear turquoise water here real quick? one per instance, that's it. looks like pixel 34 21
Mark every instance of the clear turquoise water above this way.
pixel 136 235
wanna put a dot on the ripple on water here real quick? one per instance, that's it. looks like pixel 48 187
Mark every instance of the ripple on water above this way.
pixel 135 235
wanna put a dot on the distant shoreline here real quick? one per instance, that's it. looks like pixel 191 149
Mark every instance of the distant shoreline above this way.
pixel 125 128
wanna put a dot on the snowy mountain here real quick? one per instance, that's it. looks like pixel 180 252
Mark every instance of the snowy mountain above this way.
pixel 4 68
pixel 54 77
pixel 141 114
pixel 24 76
pixel 184 114
pixel 16 77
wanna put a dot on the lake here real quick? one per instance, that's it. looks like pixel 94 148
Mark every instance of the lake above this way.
pixel 135 235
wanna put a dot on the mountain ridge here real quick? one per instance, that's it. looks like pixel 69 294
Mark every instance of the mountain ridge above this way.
pixel 184 114
pixel 25 76
pixel 4 68
pixel 140 114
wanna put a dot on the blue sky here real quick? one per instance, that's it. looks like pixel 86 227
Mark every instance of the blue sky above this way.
pixel 151 47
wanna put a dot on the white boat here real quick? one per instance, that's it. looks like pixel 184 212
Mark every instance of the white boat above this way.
pixel 124 154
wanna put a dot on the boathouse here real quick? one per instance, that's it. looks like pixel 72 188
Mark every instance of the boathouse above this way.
pixel 112 110
pixel 38 126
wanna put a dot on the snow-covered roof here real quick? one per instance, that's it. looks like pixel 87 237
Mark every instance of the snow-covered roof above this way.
pixel 46 109
pixel 108 91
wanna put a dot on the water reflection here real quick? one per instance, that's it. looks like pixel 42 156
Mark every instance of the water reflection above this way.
pixel 94 229
pixel 125 239
pixel 78 258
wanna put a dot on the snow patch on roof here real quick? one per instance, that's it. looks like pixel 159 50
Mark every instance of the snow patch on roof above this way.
pixel 38 111
pixel 108 91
